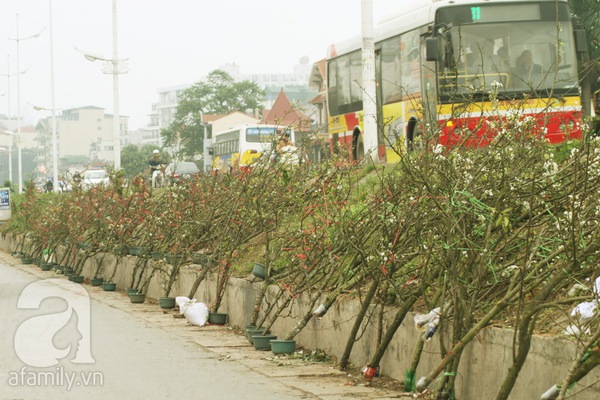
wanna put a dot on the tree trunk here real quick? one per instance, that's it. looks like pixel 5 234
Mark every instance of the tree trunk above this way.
pixel 409 377
pixel 525 332
pixel 425 381
pixel 197 282
pixel 259 299
pixel 589 360
pixel 358 322
pixel 389 335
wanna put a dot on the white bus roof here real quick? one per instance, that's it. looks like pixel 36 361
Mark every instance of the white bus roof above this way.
pixel 413 14
pixel 241 126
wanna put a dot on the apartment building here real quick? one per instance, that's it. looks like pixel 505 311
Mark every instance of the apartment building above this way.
pixel 295 85
pixel 84 133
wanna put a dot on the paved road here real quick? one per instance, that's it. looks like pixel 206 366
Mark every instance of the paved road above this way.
pixel 127 358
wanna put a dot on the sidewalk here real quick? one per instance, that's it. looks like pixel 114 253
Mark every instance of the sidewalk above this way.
pixel 303 370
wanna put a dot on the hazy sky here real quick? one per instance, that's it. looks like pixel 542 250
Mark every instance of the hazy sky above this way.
pixel 167 42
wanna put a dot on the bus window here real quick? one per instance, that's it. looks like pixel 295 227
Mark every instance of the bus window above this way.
pixel 356 87
pixel 391 84
pixel 343 83
pixel 411 63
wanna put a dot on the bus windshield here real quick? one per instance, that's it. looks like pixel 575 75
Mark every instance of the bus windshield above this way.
pixel 518 48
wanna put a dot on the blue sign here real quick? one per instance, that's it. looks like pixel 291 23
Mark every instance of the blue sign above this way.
pixel 4 199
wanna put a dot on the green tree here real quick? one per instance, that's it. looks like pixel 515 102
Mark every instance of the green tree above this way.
pixel 135 159
pixel 587 12
pixel 219 94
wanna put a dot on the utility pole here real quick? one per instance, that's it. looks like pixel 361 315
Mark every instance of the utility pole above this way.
pixel 368 75
pixel 18 39
pixel 54 134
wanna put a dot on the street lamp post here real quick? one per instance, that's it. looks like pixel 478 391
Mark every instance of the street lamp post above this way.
pixel 112 67
pixel 115 71
pixel 54 138
pixel 10 144
pixel 18 39
pixel 10 177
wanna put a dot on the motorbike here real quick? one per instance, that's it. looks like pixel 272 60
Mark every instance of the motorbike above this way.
pixel 158 177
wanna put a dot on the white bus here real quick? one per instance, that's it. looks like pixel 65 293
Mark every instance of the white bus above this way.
pixel 239 147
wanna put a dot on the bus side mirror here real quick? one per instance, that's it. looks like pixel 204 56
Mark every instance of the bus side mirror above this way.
pixel 581 41
pixel 432 48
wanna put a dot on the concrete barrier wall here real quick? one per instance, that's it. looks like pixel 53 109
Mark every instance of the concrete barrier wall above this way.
pixel 484 363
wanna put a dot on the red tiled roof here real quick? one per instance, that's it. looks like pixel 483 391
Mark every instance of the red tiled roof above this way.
pixel 283 113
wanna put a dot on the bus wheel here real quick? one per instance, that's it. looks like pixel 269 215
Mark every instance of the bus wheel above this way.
pixel 414 136
pixel 358 147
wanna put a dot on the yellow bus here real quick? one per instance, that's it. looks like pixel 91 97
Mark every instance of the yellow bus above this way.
pixel 436 63
pixel 239 147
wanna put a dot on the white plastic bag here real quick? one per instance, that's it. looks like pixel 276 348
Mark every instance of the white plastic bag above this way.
pixel 574 330
pixel 424 321
pixel 195 313
pixel 180 301
pixel 585 311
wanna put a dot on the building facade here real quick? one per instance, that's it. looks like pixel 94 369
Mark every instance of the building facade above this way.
pixel 168 98
pixel 84 133
pixel 294 84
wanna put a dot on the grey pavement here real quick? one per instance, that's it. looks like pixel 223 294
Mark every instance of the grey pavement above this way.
pixel 143 352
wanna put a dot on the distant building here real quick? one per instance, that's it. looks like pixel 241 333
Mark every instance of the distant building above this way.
pixel 222 122
pixel 9 124
pixel 135 138
pixel 318 82
pixel 284 113
pixel 295 85
pixel 320 136
pixel 82 133
pixel 168 98
pixel 151 132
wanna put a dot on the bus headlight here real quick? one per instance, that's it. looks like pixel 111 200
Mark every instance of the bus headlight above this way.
pixel 570 125
pixel 463 131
